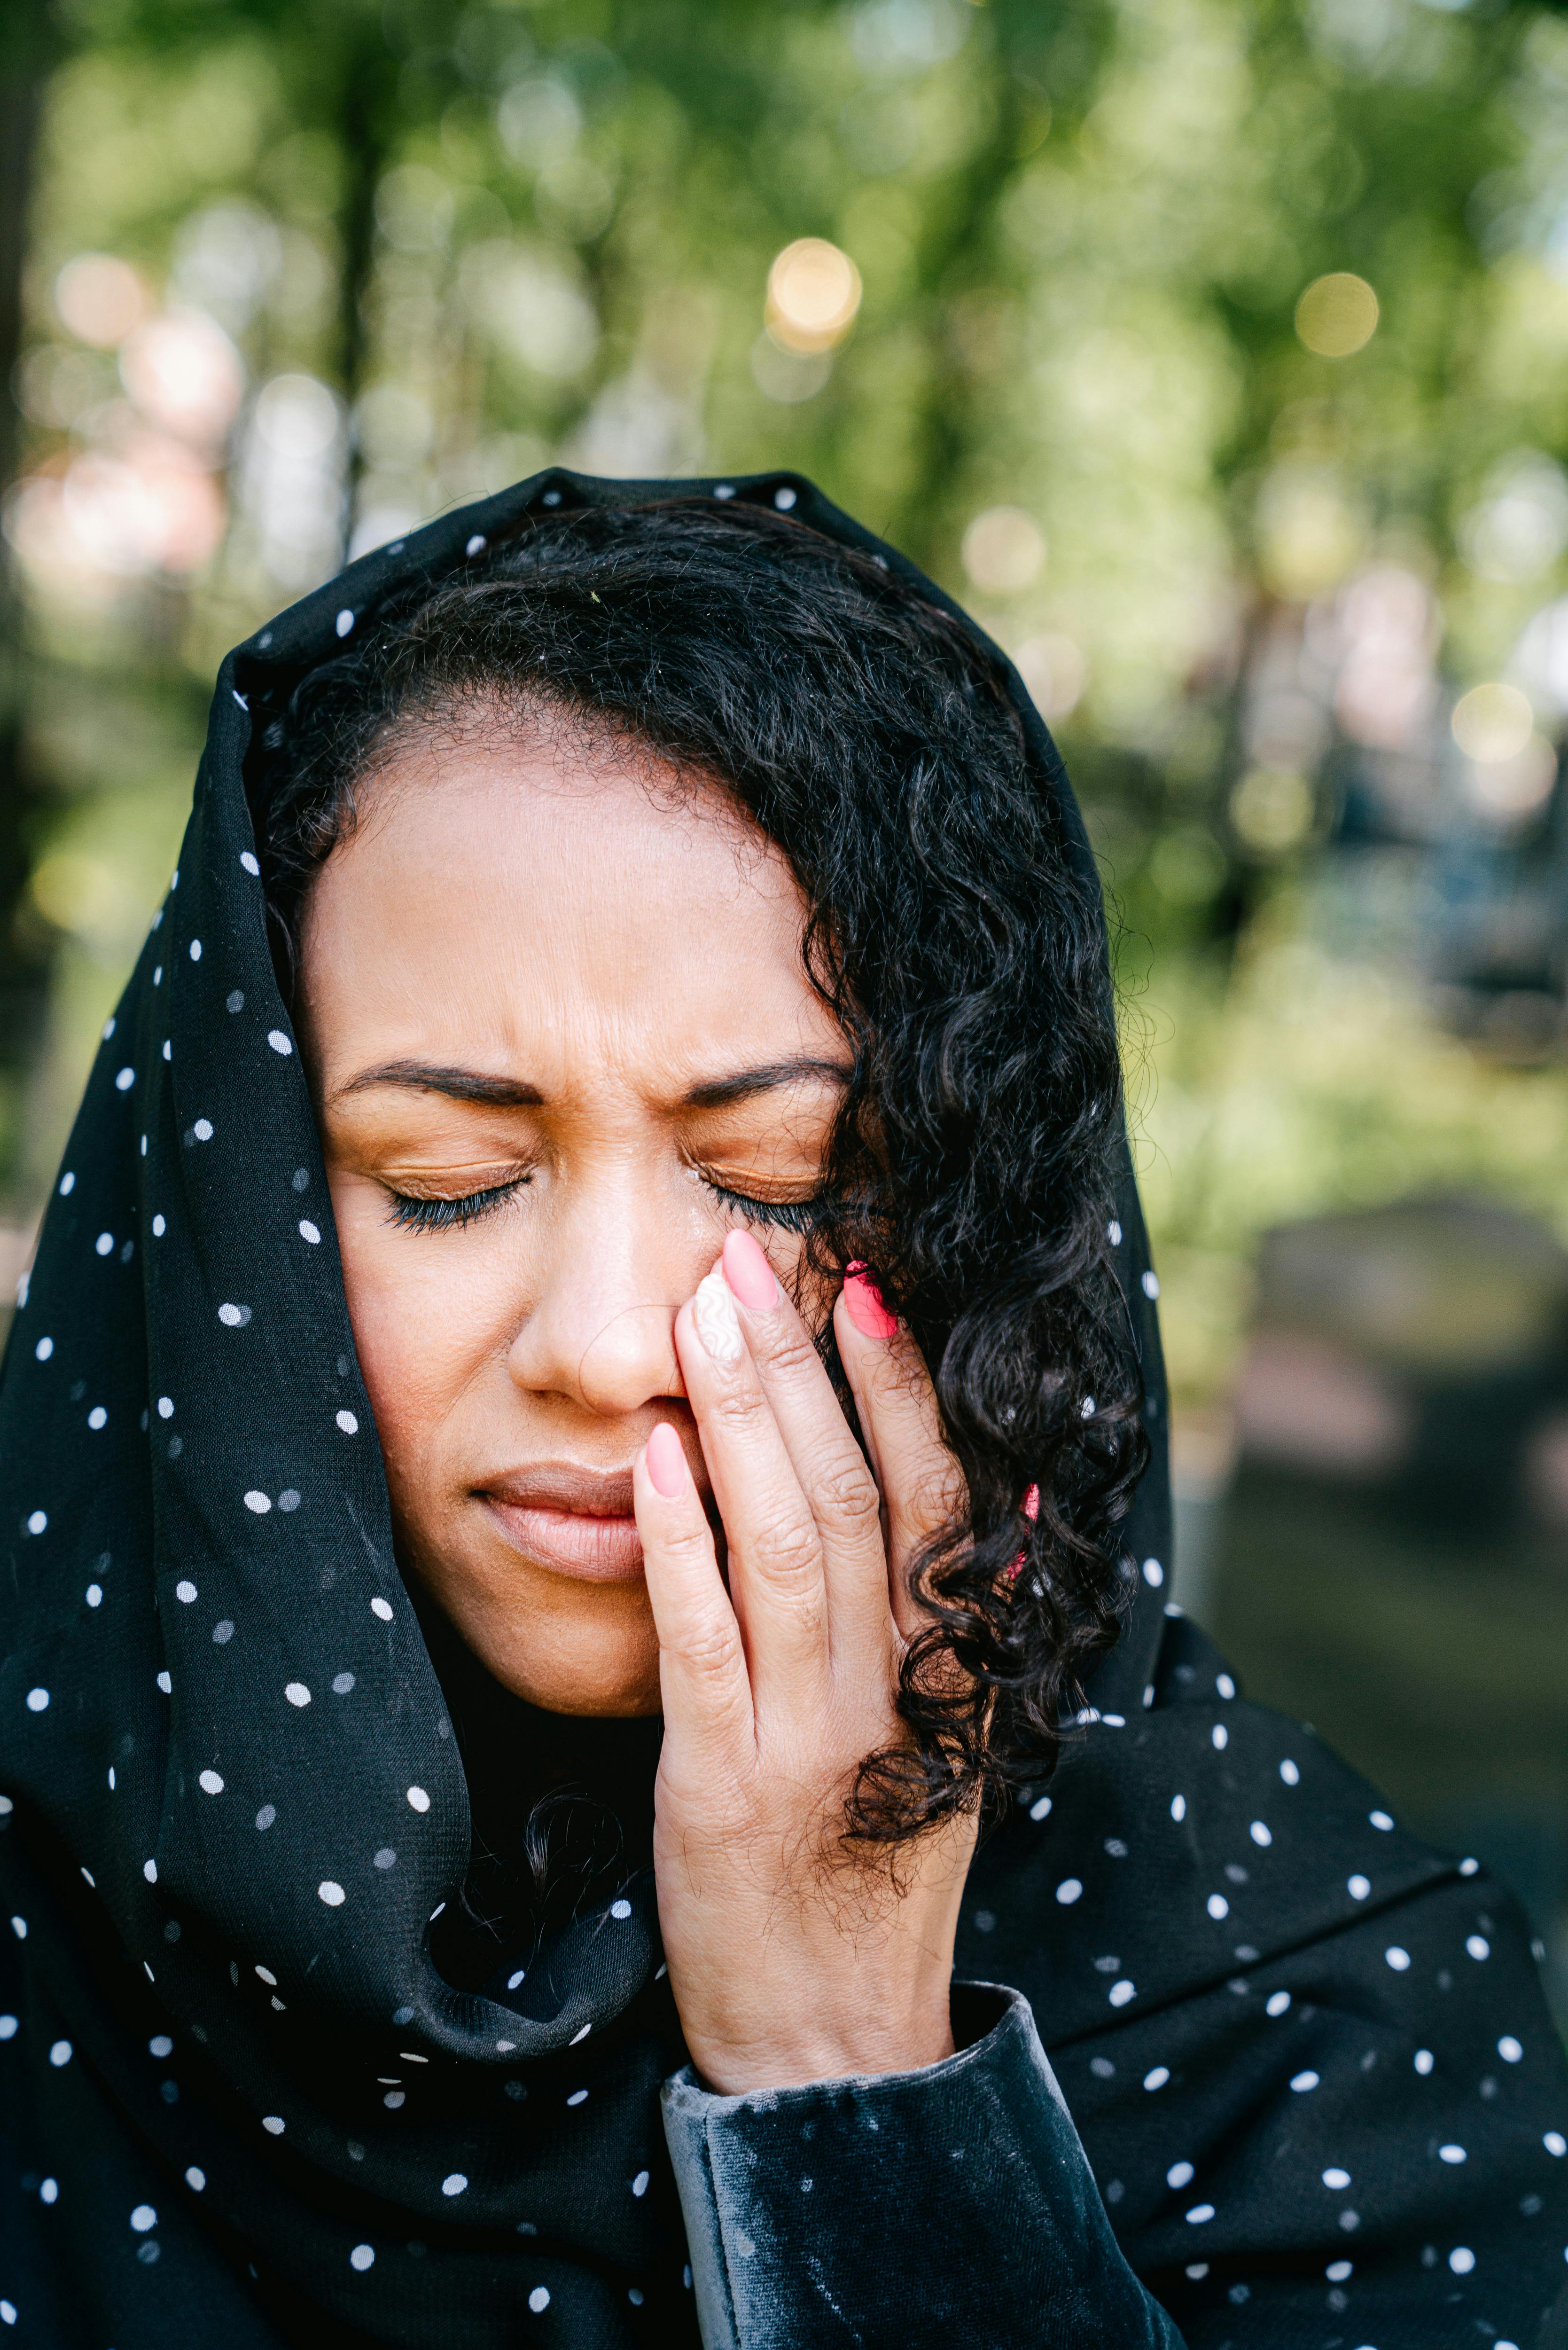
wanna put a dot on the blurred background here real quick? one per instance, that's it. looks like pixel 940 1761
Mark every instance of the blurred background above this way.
pixel 1214 351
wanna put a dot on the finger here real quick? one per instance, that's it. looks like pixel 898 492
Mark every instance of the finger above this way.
pixel 828 1463
pixel 922 1485
pixel 776 1579
pixel 706 1693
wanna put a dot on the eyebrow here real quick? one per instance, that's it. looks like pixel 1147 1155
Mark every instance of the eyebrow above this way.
pixel 515 1093
pixel 718 1093
pixel 461 1084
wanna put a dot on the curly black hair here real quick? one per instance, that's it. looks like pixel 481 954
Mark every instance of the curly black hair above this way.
pixel 960 946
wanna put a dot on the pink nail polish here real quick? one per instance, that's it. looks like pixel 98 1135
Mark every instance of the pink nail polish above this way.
pixel 665 1461
pixel 749 1274
pixel 863 1300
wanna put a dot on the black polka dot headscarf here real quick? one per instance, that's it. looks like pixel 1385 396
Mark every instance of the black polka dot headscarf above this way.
pixel 240 2101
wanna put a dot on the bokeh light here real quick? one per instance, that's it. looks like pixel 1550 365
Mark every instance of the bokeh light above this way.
pixel 1056 673
pixel 788 376
pixel 814 293
pixel 1510 789
pixel 1492 723
pixel 1540 660
pixel 1003 550
pixel 1388 631
pixel 530 307
pixel 100 298
pixel 86 894
pixel 1272 809
pixel 1310 529
pixel 1337 315
pixel 185 374
pixel 291 491
pixel 1520 525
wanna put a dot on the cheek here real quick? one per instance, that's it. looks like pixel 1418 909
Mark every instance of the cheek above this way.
pixel 426 1321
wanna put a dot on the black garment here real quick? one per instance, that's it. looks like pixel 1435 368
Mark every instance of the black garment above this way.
pixel 277 2075
pixel 790 2197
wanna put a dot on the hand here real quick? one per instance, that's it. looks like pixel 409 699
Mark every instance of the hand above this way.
pixel 793 1956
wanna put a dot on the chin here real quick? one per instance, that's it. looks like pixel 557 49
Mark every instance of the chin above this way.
pixel 604 1687
pixel 565 1644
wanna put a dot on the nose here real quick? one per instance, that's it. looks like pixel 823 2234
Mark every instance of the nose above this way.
pixel 610 1277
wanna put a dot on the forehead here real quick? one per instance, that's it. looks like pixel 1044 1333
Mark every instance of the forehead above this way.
pixel 546 900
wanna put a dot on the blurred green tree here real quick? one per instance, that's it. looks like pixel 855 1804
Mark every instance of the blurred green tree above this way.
pixel 1151 326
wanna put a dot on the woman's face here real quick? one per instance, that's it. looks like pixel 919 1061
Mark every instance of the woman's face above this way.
pixel 556 1017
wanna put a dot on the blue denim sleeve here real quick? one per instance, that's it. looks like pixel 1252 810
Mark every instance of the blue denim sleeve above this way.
pixel 950 2205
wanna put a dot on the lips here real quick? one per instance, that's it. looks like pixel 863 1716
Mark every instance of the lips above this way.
pixel 569 1520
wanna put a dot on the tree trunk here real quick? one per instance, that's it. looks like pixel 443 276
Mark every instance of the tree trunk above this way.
pixel 24 964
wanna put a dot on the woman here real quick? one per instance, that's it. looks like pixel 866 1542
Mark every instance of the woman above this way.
pixel 589 1402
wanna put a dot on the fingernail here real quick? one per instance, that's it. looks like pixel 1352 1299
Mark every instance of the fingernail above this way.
pixel 749 1274
pixel 665 1461
pixel 863 1300
pixel 718 1324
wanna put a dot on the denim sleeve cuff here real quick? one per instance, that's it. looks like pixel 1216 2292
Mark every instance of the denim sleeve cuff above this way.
pixel 951 2204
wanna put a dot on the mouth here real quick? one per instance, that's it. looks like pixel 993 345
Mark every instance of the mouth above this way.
pixel 572 1520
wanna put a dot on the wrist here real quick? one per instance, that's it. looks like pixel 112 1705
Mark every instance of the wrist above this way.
pixel 730 2070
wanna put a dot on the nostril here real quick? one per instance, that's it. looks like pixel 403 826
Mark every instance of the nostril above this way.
pixel 623 1360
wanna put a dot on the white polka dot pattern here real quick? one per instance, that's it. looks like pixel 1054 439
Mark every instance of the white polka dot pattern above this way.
pixel 1202 1903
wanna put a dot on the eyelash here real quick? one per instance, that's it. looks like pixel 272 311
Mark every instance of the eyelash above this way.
pixel 416 1215
pixel 791 1215
pixel 440 1215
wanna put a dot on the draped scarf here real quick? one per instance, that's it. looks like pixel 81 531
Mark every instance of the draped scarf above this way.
pixel 272 2062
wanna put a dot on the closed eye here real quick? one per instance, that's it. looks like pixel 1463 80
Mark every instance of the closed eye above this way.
pixel 793 1215
pixel 417 1215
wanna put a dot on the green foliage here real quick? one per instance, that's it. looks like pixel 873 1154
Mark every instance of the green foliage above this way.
pixel 510 232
